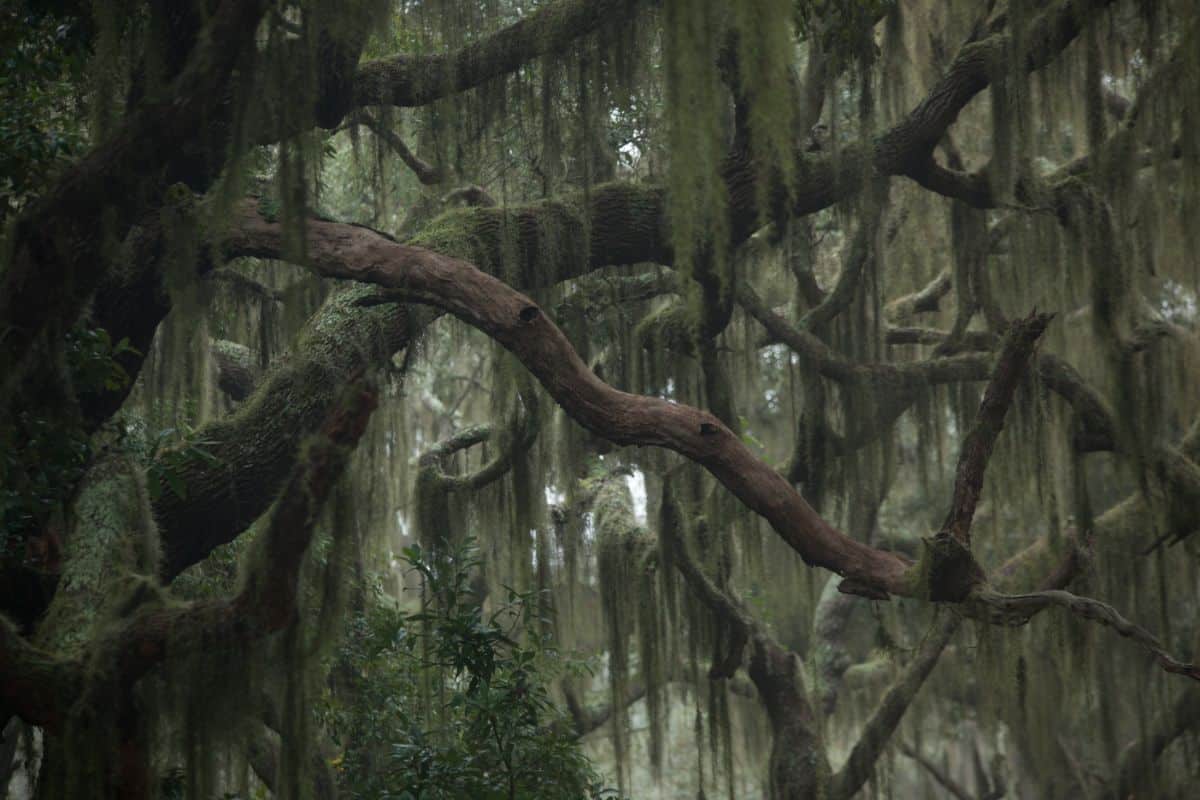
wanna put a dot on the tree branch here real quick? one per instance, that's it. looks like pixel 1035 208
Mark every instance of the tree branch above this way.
pixel 409 80
pixel 267 600
pixel 252 450
pixel 426 173
pixel 519 325
pixel 1017 609
pixel 976 451
pixel 877 732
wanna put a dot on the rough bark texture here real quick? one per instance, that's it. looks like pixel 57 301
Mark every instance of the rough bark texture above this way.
pixel 254 448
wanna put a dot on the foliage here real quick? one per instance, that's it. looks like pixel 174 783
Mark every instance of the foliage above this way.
pixel 41 458
pixel 39 125
pixel 843 29
pixel 453 701
pixel 170 453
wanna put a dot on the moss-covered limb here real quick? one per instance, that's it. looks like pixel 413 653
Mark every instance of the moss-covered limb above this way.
pixel 627 562
pixel 237 368
pixel 267 600
pixel 670 328
pixel 469 195
pixel 904 149
pixel 533 245
pixel 923 300
pixel 426 173
pixel 59 243
pixel 464 439
pixel 35 684
pixel 253 449
pixel 594 294
pixel 1135 770
pixel 1097 419
pixel 913 334
pixel 1017 609
pixel 798 767
pixel 1015 355
pixel 110 548
pixel 836 367
pixel 417 80
pixel 976 190
pixel 878 730
pixel 522 431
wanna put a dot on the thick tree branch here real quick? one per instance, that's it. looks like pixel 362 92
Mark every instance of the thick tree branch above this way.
pixel 417 80
pixel 267 600
pixel 251 451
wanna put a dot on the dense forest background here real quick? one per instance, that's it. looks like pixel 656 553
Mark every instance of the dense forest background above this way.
pixel 599 398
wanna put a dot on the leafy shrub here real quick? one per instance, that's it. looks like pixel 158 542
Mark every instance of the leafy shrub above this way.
pixel 452 702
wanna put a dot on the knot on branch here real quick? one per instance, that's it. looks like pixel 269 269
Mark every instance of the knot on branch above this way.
pixel 528 314
pixel 947 570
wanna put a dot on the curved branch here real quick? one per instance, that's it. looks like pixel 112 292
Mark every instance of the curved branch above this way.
pixel 518 324
pixel 1017 609
pixel 923 300
pixel 524 432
